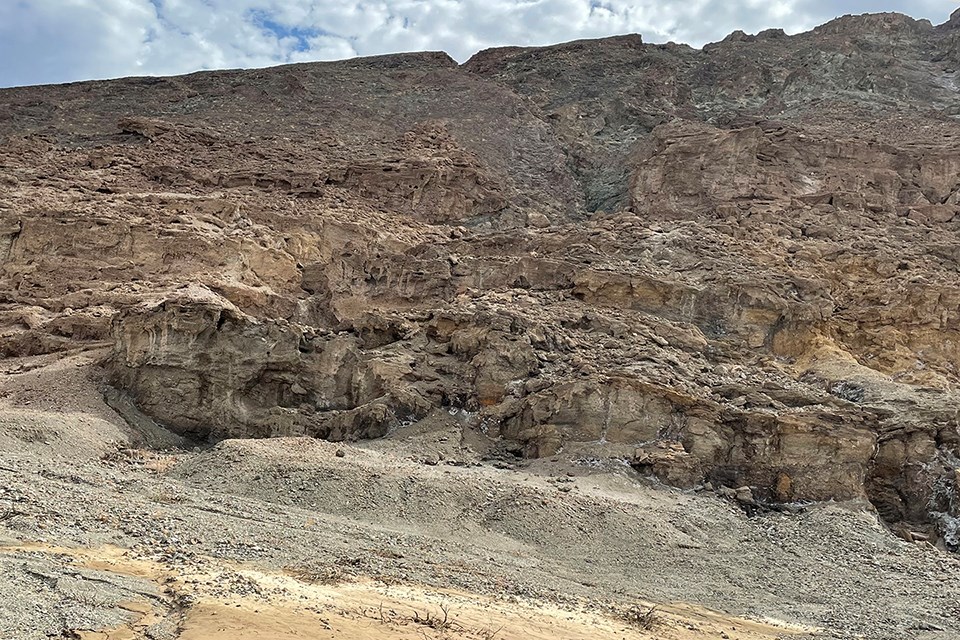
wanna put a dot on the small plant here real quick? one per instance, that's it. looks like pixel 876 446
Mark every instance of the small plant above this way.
pixel 385 616
pixel 427 619
pixel 645 618
pixel 434 622
pixel 489 634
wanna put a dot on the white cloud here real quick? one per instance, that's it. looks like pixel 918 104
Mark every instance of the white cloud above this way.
pixel 63 40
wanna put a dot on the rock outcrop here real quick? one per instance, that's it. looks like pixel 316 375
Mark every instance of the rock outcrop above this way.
pixel 735 265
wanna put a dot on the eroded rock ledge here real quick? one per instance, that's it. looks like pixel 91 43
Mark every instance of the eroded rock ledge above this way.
pixel 737 265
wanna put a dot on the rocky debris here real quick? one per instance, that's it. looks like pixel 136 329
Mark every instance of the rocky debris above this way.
pixel 733 266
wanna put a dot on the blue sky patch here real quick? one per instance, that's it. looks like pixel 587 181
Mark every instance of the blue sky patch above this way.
pixel 264 20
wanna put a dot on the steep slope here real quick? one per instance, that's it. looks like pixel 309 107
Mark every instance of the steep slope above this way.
pixel 736 265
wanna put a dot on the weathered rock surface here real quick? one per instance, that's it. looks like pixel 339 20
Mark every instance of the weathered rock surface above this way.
pixel 736 265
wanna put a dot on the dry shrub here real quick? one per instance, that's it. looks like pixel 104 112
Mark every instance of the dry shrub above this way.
pixel 642 617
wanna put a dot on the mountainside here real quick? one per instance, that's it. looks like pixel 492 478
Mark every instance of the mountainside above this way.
pixel 731 270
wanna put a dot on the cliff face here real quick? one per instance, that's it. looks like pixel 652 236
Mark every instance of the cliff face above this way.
pixel 736 265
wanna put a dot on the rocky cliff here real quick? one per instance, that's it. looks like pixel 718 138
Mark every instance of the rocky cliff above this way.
pixel 735 265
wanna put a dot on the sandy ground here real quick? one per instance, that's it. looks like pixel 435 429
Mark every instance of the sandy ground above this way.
pixel 106 534
pixel 289 606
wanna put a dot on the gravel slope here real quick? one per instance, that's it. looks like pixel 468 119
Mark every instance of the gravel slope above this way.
pixel 563 533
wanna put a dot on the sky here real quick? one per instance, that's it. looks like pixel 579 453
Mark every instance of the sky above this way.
pixel 49 41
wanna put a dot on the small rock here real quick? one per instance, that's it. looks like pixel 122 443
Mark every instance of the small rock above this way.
pixel 538 220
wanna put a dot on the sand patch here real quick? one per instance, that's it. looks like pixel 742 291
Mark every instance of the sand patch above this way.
pixel 280 606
